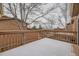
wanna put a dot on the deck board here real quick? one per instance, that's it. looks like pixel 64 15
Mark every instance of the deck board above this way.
pixel 42 47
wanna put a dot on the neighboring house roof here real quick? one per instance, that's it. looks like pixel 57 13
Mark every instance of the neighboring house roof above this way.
pixel 5 18
pixel 8 23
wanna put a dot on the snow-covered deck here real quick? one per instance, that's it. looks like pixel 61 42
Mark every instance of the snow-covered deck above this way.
pixel 42 47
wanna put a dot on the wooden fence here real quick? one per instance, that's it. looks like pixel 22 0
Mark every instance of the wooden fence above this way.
pixel 14 38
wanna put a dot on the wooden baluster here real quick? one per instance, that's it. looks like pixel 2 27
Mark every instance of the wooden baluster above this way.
pixel 17 40
pixel 13 40
pixel 10 41
pixel 5 42
pixel 22 38
pixel 7 39
pixel 1 43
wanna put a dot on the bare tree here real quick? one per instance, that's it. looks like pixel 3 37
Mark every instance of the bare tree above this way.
pixel 25 10
pixel 1 12
pixel 12 9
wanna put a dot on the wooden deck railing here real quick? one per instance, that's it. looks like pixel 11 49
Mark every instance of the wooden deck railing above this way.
pixel 13 38
pixel 67 36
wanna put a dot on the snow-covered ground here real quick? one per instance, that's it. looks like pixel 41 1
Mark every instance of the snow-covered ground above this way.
pixel 42 47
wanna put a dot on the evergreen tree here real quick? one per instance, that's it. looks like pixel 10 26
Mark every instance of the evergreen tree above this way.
pixel 34 27
pixel 40 27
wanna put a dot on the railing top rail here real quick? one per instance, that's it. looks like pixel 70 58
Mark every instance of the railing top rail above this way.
pixel 34 30
pixel 24 31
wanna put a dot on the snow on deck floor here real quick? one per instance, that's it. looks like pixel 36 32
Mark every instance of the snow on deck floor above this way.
pixel 42 47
